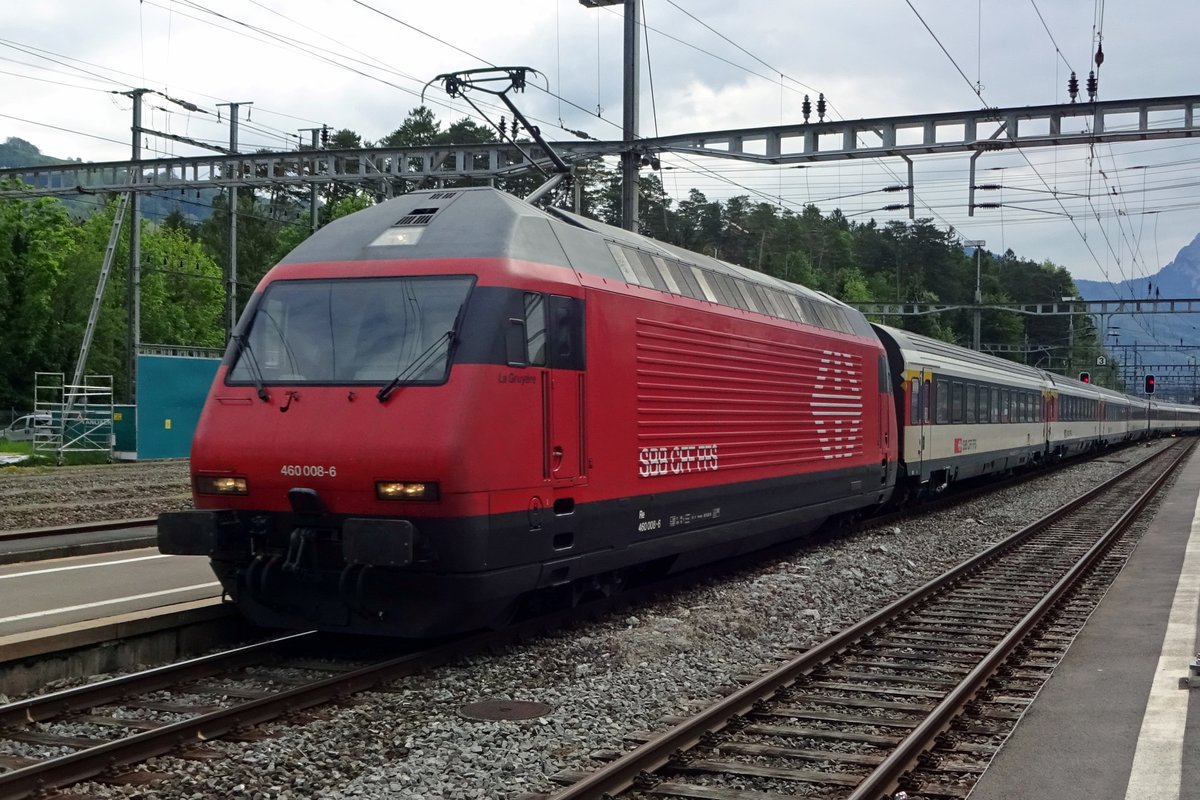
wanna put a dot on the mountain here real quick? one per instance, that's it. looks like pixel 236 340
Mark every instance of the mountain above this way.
pixel 16 152
pixel 1180 279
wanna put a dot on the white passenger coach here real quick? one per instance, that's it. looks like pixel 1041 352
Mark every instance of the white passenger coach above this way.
pixel 964 414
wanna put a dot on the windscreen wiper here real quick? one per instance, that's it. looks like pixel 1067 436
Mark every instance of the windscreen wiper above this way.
pixel 419 363
pixel 243 345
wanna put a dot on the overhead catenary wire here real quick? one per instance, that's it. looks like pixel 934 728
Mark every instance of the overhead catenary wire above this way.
pixel 1074 222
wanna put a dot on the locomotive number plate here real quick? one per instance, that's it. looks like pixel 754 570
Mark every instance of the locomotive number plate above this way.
pixel 308 471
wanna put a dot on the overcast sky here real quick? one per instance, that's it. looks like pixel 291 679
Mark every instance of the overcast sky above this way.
pixel 708 65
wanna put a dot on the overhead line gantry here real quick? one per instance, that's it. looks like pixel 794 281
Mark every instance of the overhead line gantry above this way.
pixel 391 169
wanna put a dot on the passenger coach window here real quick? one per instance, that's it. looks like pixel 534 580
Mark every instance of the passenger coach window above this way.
pixel 914 401
pixel 972 401
pixel 942 399
pixel 535 328
pixel 956 403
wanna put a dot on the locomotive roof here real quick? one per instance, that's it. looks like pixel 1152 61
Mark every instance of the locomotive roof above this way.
pixel 482 222
pixel 453 223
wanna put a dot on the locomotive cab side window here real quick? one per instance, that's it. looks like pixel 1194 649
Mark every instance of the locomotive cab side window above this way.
pixel 535 329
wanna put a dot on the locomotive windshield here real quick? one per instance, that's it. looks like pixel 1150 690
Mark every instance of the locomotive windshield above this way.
pixel 354 330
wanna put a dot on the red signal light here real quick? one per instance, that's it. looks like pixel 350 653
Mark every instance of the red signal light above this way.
pixel 1149 384
pixel 1086 377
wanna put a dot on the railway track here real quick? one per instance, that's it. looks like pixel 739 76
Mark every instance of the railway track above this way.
pixel 102 728
pixel 915 698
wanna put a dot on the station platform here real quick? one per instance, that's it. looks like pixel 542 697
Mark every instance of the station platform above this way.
pixel 1114 722
pixel 18 547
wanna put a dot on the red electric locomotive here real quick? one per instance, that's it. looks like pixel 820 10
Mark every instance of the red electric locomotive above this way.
pixel 449 402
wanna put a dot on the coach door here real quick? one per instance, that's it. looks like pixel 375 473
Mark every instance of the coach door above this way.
pixel 563 391
pixel 920 416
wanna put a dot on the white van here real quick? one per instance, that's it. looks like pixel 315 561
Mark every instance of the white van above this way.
pixel 22 428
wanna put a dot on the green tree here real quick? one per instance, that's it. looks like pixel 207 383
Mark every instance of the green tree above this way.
pixel 36 239
pixel 183 298
pixel 419 128
pixel 290 236
pixel 465 131
pixel 258 233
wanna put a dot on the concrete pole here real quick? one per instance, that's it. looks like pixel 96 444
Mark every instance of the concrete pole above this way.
pixel 630 158
pixel 231 265
pixel 1071 341
pixel 134 300
pixel 629 131
pixel 312 192
pixel 978 244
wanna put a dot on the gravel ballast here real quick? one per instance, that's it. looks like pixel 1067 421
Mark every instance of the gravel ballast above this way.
pixel 602 679
pixel 39 497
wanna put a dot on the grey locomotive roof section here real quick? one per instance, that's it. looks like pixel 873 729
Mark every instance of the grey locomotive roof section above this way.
pixel 689 256
pixel 924 344
pixel 607 233
pixel 483 222
pixel 464 223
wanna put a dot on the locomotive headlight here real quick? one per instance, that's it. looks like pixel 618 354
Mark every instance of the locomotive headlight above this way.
pixel 406 490
pixel 220 484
